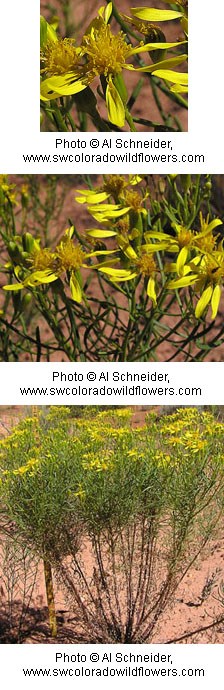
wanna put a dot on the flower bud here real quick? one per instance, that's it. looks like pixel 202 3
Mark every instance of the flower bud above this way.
pixel 14 252
pixel 28 242
pixel 26 299
pixel 155 35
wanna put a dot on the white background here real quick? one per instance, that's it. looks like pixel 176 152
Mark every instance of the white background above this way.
pixel 43 656
pixel 19 133
pixel 19 113
pixel 208 376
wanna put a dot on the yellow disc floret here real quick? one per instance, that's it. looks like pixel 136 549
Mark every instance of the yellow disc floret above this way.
pixel 60 57
pixel 70 257
pixel 114 185
pixel 133 199
pixel 184 236
pixel 42 260
pixel 206 244
pixel 146 265
pixel 106 53
pixel 123 226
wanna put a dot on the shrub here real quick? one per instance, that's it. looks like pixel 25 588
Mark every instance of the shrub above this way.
pixel 142 503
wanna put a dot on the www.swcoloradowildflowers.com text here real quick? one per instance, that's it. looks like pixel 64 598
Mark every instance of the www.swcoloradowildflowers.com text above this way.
pixel 114 158
pixel 121 391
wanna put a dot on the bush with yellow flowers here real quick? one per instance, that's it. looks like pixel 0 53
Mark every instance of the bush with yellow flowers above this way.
pixel 145 273
pixel 77 77
pixel 118 514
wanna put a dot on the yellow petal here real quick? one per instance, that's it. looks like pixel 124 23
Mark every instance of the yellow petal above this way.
pixel 102 252
pixel 115 106
pixel 69 232
pixel 125 278
pixel 157 246
pixel 214 224
pixel 76 291
pixel 91 197
pixel 182 282
pixel 155 46
pixel 100 233
pixel 215 300
pixel 203 301
pixel 101 264
pixel 151 290
pixel 108 12
pixel 102 215
pixel 179 88
pixel 130 252
pixel 152 15
pixel 118 273
pixel 40 278
pixel 64 85
pixel 158 235
pixel 170 75
pixel 162 65
pixel 172 268
pixel 47 33
pixel 105 12
pixel 106 207
pixel 181 260
pixel 14 287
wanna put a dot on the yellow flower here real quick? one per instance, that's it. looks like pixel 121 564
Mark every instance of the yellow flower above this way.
pixel 7 193
pixel 206 274
pixel 101 54
pixel 184 241
pixel 47 266
pixel 60 60
pixel 142 263
pixel 127 200
pixel 42 259
pixel 60 56
pixel 113 186
pixel 25 468
pixel 80 493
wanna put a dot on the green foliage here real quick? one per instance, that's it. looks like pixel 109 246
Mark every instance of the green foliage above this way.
pixel 126 493
pixel 113 292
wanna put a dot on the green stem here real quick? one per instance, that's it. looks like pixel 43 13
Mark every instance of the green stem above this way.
pixel 130 120
pixel 131 316
pixel 59 120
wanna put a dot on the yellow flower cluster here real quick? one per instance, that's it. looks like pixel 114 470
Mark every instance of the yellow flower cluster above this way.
pixel 7 191
pixel 11 194
pixel 26 468
pixel 41 266
pixel 185 256
pixel 67 69
pixel 198 252
pixel 189 431
pixel 91 461
pixel 102 452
